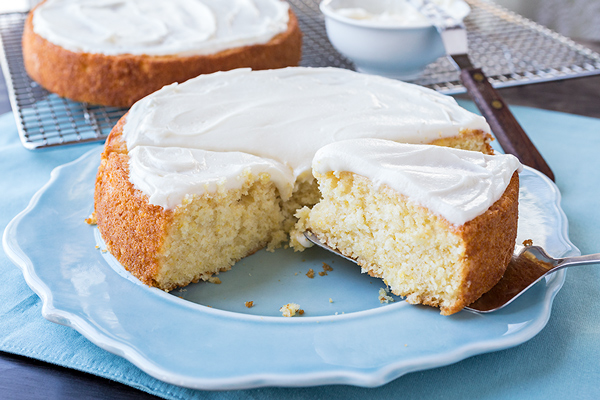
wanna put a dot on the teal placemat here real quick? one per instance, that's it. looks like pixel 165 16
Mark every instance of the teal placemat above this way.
pixel 563 361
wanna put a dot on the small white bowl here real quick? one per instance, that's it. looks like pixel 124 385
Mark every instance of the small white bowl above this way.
pixel 392 48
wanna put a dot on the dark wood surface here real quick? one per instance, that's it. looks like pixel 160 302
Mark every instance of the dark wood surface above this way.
pixel 24 378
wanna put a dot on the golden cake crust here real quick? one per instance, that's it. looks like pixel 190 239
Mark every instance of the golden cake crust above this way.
pixel 133 229
pixel 121 80
pixel 490 240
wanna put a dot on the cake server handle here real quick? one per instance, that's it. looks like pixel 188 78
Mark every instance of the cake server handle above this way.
pixel 507 130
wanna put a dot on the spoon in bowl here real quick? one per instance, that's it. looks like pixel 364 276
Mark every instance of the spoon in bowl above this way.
pixel 527 266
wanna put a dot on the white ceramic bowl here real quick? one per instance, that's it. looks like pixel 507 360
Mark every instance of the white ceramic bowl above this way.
pixel 398 49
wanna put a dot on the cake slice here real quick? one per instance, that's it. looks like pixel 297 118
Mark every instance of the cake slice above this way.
pixel 438 225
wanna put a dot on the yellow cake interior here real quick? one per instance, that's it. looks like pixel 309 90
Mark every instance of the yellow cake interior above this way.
pixel 210 233
pixel 406 245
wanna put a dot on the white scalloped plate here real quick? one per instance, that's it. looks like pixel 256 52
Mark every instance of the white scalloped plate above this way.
pixel 205 338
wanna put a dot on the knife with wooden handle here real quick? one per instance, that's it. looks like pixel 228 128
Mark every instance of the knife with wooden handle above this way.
pixel 507 130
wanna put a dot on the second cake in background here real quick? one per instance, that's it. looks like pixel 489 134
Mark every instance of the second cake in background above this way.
pixel 114 52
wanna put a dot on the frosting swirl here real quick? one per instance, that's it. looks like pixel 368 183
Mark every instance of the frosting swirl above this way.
pixel 158 27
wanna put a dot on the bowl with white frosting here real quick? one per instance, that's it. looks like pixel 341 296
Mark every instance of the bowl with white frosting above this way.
pixel 387 37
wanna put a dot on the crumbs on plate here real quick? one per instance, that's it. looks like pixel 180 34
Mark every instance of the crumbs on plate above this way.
pixel 290 309
pixel 384 297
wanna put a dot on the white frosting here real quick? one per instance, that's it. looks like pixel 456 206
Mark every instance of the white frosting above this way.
pixel 286 115
pixel 392 13
pixel 169 175
pixel 457 184
pixel 159 27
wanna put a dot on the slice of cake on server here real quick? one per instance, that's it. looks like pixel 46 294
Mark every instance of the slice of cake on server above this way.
pixel 437 224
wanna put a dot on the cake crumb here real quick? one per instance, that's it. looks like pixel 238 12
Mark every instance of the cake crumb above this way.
pixel 327 267
pixel 384 297
pixel 290 309
pixel 330 300
pixel 215 280
pixel 97 246
pixel 527 242
pixel 103 250
pixel 249 304
pixel 322 273
pixel 310 273
pixel 91 220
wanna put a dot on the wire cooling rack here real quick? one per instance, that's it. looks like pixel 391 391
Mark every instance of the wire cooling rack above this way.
pixel 511 50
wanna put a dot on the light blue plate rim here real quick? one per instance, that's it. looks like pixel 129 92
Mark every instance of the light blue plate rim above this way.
pixel 320 350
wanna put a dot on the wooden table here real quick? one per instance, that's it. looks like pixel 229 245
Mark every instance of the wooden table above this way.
pixel 21 377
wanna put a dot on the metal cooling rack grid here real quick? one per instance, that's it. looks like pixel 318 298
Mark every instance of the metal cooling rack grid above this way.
pixel 511 50
pixel 44 119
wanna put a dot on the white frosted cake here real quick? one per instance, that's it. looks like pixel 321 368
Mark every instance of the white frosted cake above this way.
pixel 201 174
pixel 114 52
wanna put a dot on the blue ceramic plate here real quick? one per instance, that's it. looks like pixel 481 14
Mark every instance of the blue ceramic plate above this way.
pixel 205 337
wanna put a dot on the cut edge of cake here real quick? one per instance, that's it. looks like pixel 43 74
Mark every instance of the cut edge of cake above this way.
pixel 419 254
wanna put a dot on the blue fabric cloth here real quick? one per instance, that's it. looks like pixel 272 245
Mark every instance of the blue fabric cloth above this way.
pixel 563 361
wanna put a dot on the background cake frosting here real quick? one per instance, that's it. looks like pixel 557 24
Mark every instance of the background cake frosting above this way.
pixel 115 52
pixel 158 27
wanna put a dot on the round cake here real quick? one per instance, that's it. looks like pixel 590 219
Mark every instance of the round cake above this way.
pixel 201 174
pixel 438 225
pixel 114 52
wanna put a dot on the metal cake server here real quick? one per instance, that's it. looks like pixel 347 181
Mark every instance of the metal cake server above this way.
pixel 527 266
pixel 507 130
